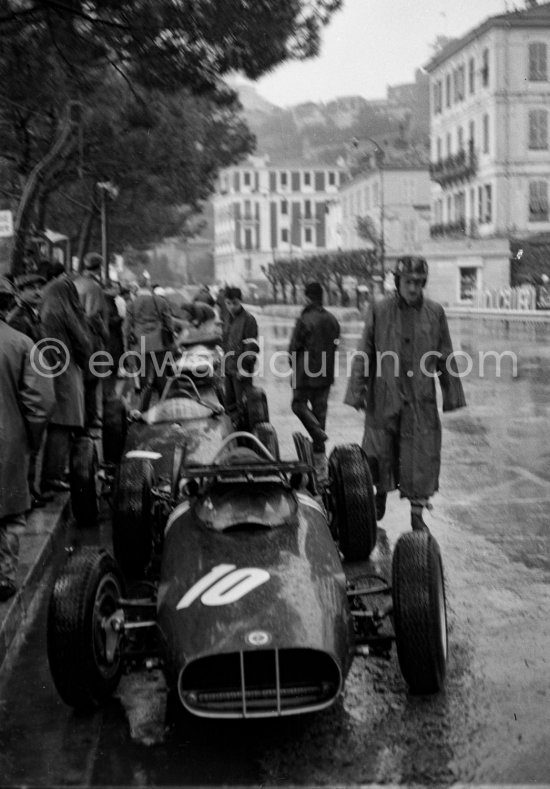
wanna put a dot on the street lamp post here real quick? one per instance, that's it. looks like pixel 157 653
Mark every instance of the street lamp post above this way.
pixel 105 187
pixel 379 157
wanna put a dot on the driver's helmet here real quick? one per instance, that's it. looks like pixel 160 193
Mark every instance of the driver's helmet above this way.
pixel 411 266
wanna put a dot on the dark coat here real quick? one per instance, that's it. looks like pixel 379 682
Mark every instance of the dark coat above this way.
pixel 312 348
pixel 402 435
pixel 240 342
pixel 26 401
pixel 92 298
pixel 148 318
pixel 63 320
pixel 26 319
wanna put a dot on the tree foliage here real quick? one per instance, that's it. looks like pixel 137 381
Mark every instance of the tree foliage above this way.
pixel 132 91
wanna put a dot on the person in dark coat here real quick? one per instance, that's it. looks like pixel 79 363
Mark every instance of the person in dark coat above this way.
pixel 240 345
pixel 405 345
pixel 312 353
pixel 25 317
pixel 26 401
pixel 92 298
pixel 149 330
pixel 64 325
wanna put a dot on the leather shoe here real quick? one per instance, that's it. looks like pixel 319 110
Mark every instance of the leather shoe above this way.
pixel 7 589
pixel 59 485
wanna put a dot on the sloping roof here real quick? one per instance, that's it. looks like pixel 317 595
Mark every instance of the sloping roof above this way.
pixel 537 16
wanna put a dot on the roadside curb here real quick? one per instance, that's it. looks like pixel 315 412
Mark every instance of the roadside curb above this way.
pixel 43 536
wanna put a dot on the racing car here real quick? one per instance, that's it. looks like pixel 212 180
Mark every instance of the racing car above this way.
pixel 252 615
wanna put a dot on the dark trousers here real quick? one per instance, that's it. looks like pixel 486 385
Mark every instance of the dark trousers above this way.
pixel 56 453
pixel 310 405
pixel 155 375
pixel 234 390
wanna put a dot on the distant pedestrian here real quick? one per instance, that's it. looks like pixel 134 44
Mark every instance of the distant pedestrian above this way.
pixel 26 401
pixel 312 352
pixel 240 345
pixel 405 345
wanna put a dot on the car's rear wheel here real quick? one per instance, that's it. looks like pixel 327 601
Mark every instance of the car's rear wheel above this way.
pixel 351 502
pixel 419 611
pixel 85 668
pixel 254 408
pixel 133 516
pixel 266 433
pixel 83 465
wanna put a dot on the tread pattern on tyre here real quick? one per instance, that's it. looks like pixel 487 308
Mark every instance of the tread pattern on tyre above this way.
pixel 353 497
pixel 266 433
pixel 132 516
pixel 69 634
pixel 417 579
pixel 83 467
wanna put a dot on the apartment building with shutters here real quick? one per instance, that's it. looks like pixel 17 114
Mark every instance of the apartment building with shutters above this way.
pixel 490 154
pixel 264 211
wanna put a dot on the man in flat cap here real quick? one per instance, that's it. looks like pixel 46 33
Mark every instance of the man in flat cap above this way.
pixel 25 317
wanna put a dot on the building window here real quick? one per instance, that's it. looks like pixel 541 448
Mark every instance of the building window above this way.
pixel 538 130
pixel 472 135
pixel 331 178
pixel 538 201
pixel 448 90
pixel 468 283
pixel 284 207
pixel 438 97
pixel 438 149
pixel 472 76
pixel 307 179
pixel 485 134
pixel 284 179
pixel 307 235
pixel 485 68
pixel 307 209
pixel 458 80
pixel 284 235
pixel 460 137
pixel 248 238
pixel 538 68
pixel 246 179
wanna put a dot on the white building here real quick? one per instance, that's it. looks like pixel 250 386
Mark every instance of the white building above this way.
pixel 396 199
pixel 490 156
pixel 264 211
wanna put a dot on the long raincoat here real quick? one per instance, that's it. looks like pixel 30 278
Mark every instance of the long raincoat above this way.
pixel 64 328
pixel 403 350
pixel 26 401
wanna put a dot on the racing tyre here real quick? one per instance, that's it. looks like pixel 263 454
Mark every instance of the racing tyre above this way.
pixel 83 467
pixel 133 516
pixel 115 429
pixel 351 502
pixel 84 596
pixel 419 611
pixel 254 407
pixel 267 434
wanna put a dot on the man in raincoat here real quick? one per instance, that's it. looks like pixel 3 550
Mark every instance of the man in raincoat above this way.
pixel 26 401
pixel 405 347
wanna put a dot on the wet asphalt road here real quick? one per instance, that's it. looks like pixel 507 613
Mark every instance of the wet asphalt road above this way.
pixel 492 725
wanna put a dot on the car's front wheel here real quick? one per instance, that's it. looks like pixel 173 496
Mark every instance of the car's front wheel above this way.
pixel 84 655
pixel 133 516
pixel 83 467
pixel 351 502
pixel 419 611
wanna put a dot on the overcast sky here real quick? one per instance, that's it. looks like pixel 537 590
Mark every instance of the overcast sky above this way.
pixel 370 44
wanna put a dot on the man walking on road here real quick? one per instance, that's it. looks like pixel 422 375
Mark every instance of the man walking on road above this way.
pixel 312 350
pixel 405 345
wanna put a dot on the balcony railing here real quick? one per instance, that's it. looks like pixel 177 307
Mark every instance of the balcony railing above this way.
pixel 449 230
pixel 460 167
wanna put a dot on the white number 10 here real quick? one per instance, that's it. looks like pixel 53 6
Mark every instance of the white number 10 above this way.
pixel 224 584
